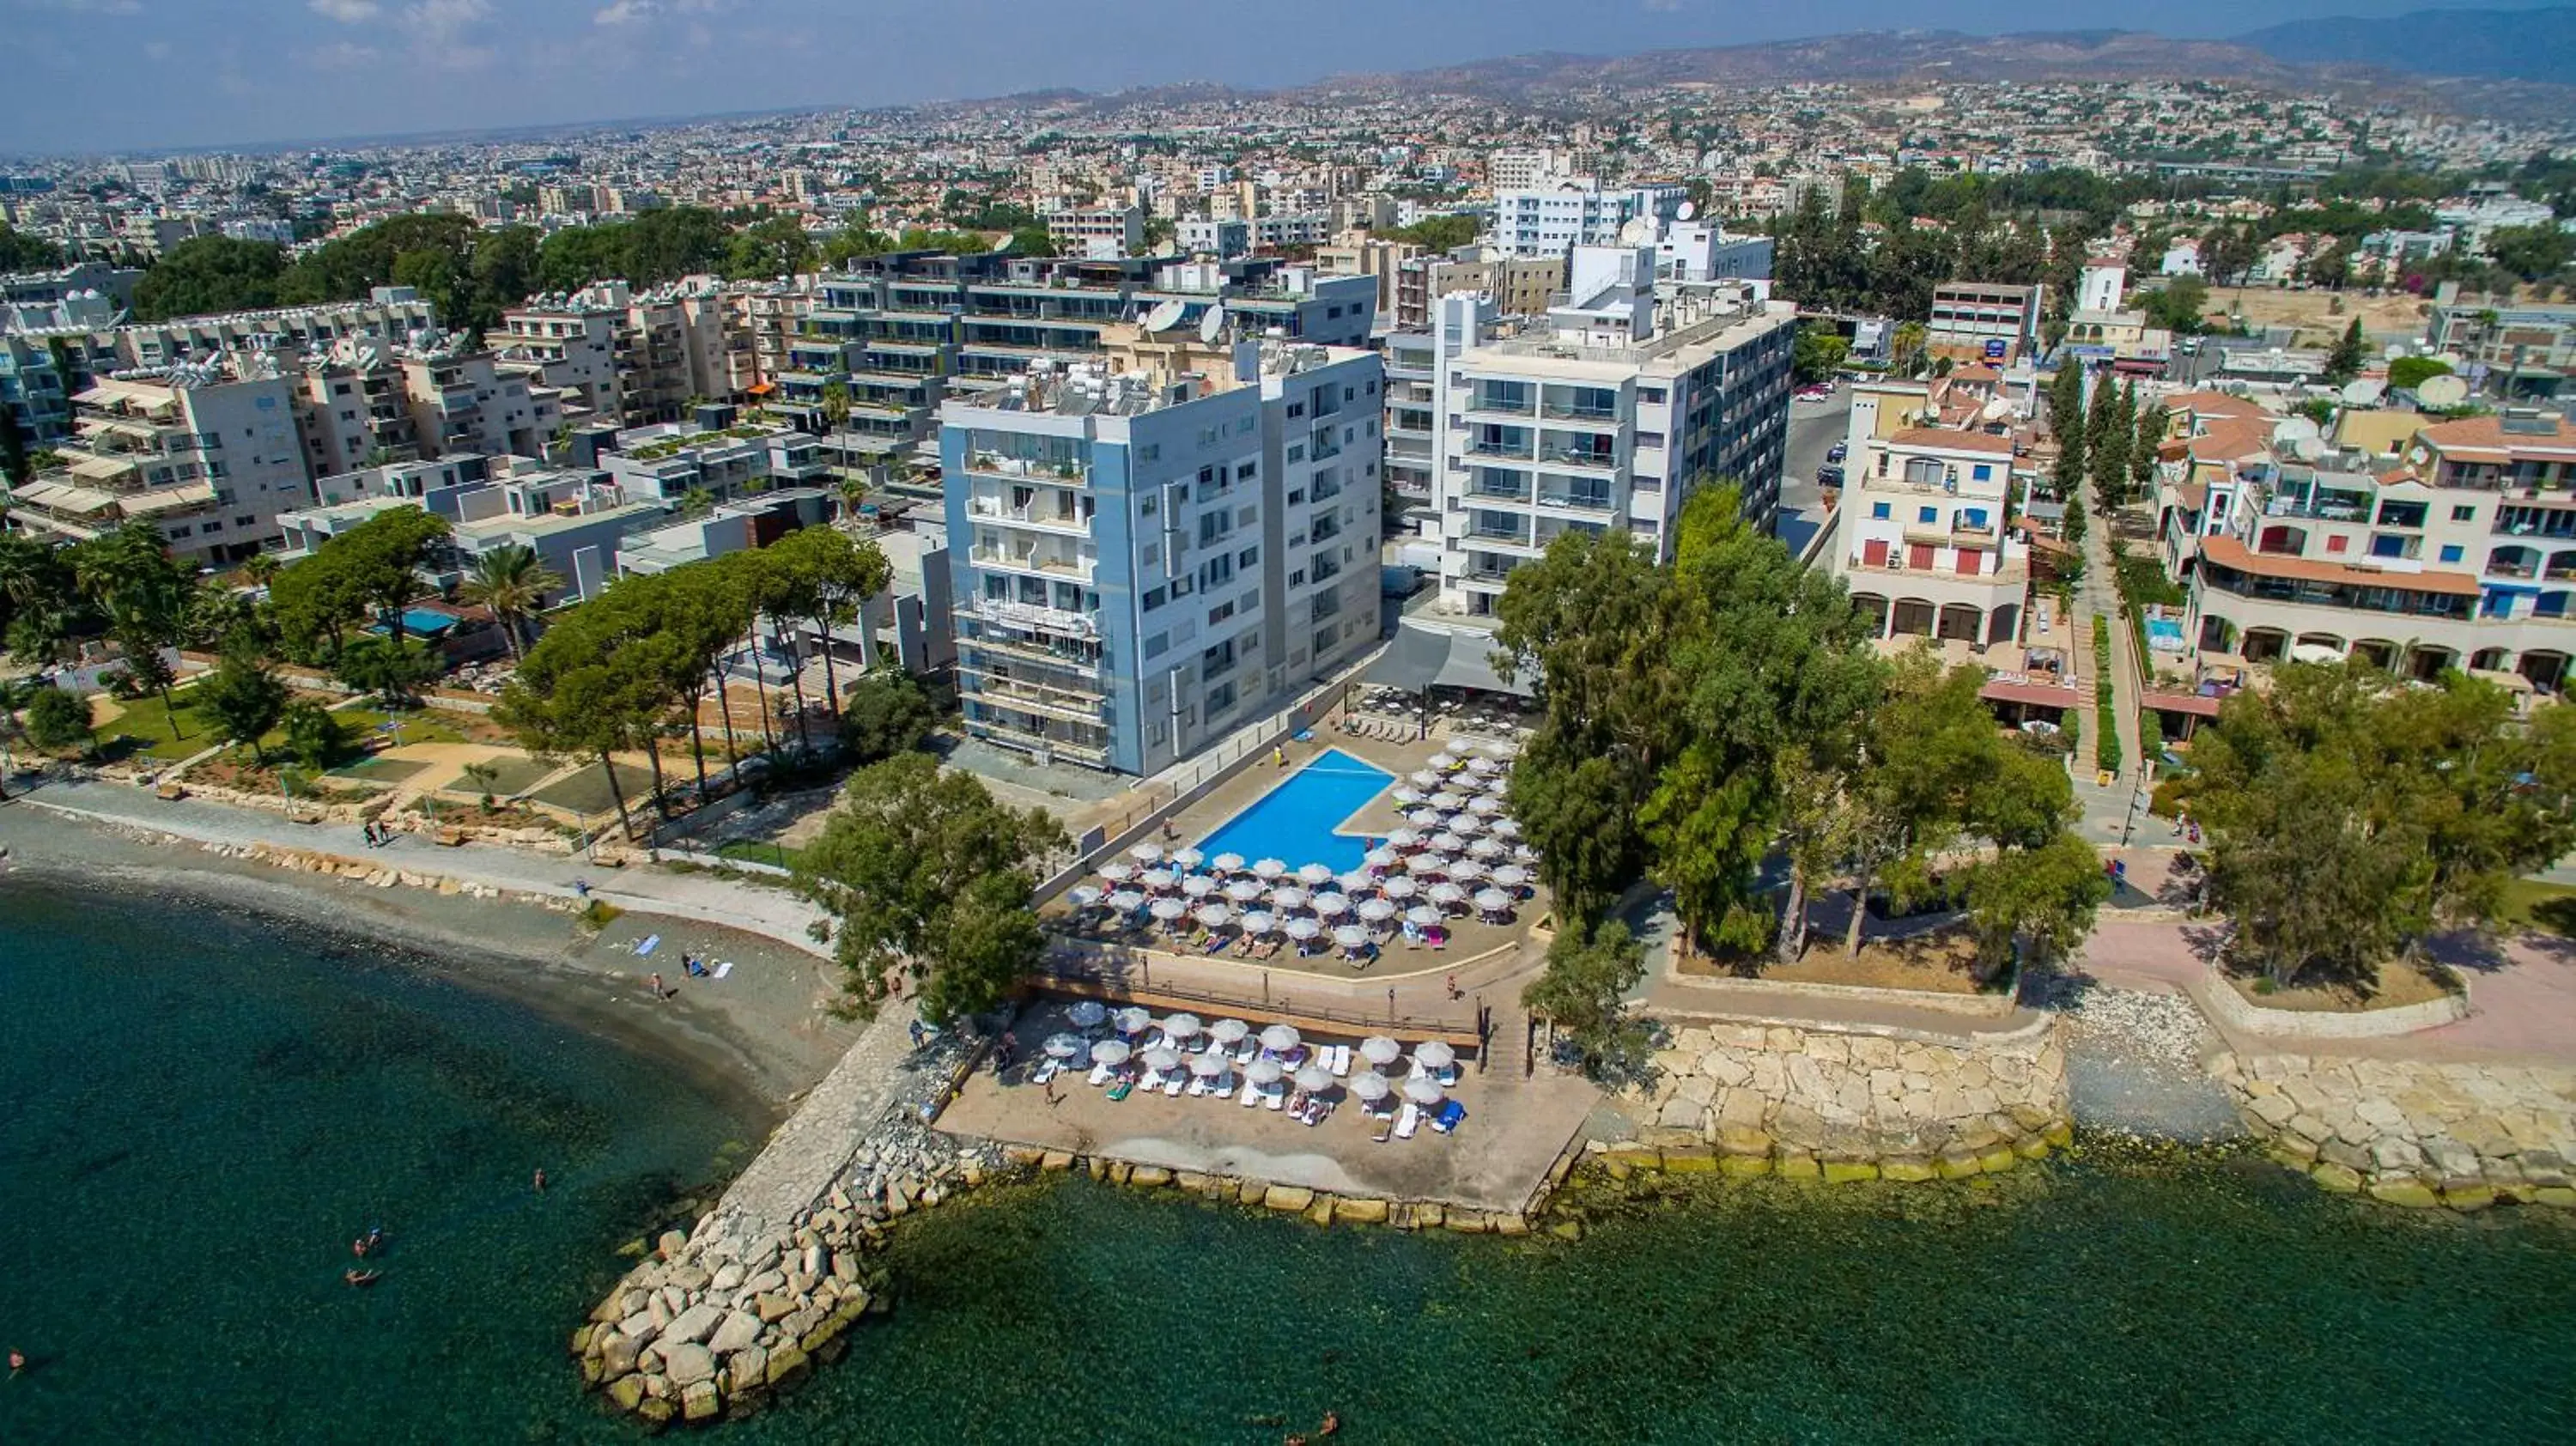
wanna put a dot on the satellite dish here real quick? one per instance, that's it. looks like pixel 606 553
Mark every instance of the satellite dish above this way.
pixel 1004 244
pixel 2451 359
pixel 1996 410
pixel 1165 316
pixel 2308 449
pixel 2362 392
pixel 1688 210
pixel 1212 325
pixel 2291 432
pixel 1637 232
pixel 2443 391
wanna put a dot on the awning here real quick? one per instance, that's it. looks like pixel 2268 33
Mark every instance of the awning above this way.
pixel 2198 704
pixel 1425 657
pixel 2029 694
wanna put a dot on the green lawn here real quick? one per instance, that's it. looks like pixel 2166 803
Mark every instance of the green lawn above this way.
pixel 148 731
pixel 759 851
pixel 2545 907
pixel 510 777
pixel 380 770
pixel 586 792
pixel 418 725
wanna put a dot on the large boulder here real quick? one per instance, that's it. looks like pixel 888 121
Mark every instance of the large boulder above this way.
pixel 689 1363
pixel 740 1329
pixel 747 1371
pixel 694 1324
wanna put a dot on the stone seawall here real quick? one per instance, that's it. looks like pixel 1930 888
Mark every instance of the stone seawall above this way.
pixel 1750 1099
pixel 2414 1132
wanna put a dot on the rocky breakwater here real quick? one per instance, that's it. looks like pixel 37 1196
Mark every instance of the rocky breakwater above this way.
pixel 2414 1132
pixel 1753 1099
pixel 745 1300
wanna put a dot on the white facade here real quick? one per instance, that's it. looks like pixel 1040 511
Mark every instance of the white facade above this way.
pixel 1549 219
pixel 1923 542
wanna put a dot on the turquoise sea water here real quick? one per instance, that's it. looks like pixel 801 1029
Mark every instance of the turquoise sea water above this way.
pixel 202 1111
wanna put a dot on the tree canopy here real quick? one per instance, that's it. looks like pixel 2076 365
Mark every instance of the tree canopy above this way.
pixel 209 273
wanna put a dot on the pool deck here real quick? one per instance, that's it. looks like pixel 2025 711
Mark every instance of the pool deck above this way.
pixel 1471 940
pixel 1497 1161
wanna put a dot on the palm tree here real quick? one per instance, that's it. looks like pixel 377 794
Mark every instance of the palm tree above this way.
pixel 513 582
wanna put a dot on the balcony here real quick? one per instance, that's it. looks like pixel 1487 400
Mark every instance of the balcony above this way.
pixel 1028 469
pixel 1581 457
pixel 1499 404
pixel 1495 447
pixel 1577 501
pixel 1065 520
pixel 1037 563
pixel 1587 416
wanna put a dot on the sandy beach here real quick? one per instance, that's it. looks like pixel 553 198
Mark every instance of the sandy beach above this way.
pixel 762 1032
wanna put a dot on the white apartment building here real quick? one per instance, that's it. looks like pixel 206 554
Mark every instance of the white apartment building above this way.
pixel 1153 549
pixel 2455 549
pixel 207 453
pixel 1097 231
pixel 1608 415
pixel 406 402
pixel 1549 218
pixel 1925 545
pixel 1522 170
pixel 667 461
pixel 630 357
pixel 1984 321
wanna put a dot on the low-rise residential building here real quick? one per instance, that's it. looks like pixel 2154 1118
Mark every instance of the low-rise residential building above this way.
pixel 1984 321
pixel 716 458
pixel 1927 542
pixel 1098 232
pixel 1606 415
pixel 2513 351
pixel 366 400
pixel 1154 548
pixel 1557 214
pixel 206 453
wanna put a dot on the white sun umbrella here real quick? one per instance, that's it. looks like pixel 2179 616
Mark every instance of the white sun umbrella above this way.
pixel 1302 930
pixel 1146 853
pixel 1111 1052
pixel 1314 1077
pixel 1214 916
pixel 1406 797
pixel 1087 1013
pixel 1423 916
pixel 1400 887
pixel 1332 906
pixel 1263 1072
pixel 1442 762
pixel 1168 910
pixel 1448 802
pixel 1229 1031
pixel 1402 838
pixel 1259 922
pixel 1357 881
pixel 1207 1066
pixel 1374 911
pixel 1369 1086
pixel 1425 818
pixel 1188 858
pixel 1379 1049
pixel 1243 891
pixel 1082 896
pixel 1424 778
pixel 1482 765
pixel 1502 750
pixel 1466 825
pixel 1280 1038
pixel 1511 876
pixel 1484 805
pixel 1485 848
pixel 1198 886
pixel 1435 1053
pixel 1126 901
pixel 1288 897
pixel 1180 1027
pixel 1162 1059
pixel 1351 936
pixel 1314 876
pixel 1448 843
pixel 1507 828
pixel 1383 858
pixel 1132 1020
pixel 1445 894
pixel 1419 1090
pixel 1493 901
pixel 1117 871
pixel 1227 863
pixel 1268 869
pixel 1468 870
pixel 1064 1046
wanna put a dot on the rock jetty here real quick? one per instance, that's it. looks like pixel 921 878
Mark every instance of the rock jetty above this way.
pixel 2414 1132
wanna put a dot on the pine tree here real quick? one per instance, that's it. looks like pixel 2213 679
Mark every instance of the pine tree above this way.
pixel 2110 462
pixel 2066 423
pixel 2344 362
pixel 2150 435
pixel 2101 418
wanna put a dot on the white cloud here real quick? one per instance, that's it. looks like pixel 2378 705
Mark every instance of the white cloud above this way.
pixel 347 12
pixel 444 22
pixel 340 55
pixel 624 12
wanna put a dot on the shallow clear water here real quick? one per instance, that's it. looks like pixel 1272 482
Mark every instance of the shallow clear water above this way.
pixel 1295 822
pixel 204 1110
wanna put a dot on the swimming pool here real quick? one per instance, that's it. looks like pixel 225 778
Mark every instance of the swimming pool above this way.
pixel 1295 823
pixel 420 623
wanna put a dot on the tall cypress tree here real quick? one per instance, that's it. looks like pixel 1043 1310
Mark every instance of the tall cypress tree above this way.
pixel 2066 423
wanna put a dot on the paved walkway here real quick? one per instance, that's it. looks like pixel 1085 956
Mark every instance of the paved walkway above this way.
pixel 2099 596
pixel 707 899
pixel 811 1152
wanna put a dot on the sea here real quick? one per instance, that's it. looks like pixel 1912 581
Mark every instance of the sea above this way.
pixel 200 1108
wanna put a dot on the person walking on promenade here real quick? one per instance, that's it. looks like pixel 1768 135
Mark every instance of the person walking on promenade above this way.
pixel 658 991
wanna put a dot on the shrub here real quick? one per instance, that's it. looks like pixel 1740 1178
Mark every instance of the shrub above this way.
pixel 57 720
pixel 884 714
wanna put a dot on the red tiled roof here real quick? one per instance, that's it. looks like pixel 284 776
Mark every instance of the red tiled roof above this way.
pixel 1956 440
pixel 2230 553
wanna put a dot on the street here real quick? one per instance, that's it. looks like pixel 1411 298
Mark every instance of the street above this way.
pixel 1814 427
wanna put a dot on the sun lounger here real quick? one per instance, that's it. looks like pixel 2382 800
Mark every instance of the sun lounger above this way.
pixel 1174 1087
pixel 1249 1050
pixel 1126 1087
pixel 1408 1120
pixel 1046 1070
pixel 1275 1099
pixel 1198 1086
pixel 1448 1116
pixel 1251 1094
pixel 724 969
pixel 1100 1074
pixel 1338 1060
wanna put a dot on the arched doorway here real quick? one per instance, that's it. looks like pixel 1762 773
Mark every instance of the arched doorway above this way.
pixel 2377 652
pixel 2429 661
pixel 1960 622
pixel 2266 645
pixel 2217 635
pixel 2003 625
pixel 2546 669
pixel 1913 618
pixel 1872 606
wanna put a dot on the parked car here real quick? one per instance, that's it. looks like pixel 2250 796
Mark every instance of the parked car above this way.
pixel 1837 451
pixel 1829 476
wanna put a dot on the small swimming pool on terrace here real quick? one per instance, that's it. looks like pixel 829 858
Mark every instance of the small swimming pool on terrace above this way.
pixel 421 623
pixel 1295 822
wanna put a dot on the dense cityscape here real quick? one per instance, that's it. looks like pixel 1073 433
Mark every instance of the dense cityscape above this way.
pixel 1858 633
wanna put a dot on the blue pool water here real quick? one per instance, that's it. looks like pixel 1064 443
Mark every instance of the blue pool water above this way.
pixel 420 623
pixel 1295 822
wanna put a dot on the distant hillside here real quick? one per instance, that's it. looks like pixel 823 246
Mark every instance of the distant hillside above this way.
pixel 2537 45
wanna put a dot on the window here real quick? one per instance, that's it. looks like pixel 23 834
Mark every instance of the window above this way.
pixel 1220 613
pixel 1145 507
pixel 2465 512
pixel 1878 512
pixel 1927 514
pixel 1650 394
pixel 1247 557
pixel 1983 472
pixel 2451 550
pixel 1157 645
pixel 1324 640
pixel 1156 598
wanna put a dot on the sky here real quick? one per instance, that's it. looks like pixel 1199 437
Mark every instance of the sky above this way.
pixel 101 75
